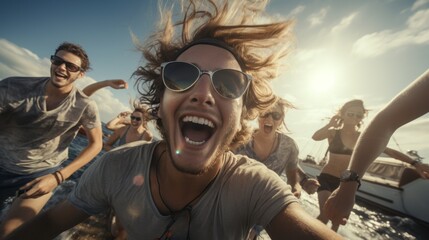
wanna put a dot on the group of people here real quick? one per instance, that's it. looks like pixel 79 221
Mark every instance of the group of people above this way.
pixel 202 87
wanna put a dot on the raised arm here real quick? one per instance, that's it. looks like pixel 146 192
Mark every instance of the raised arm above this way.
pixel 113 83
pixel 324 132
pixel 49 224
pixel 408 105
pixel 120 121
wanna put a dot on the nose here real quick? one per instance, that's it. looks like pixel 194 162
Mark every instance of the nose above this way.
pixel 63 66
pixel 202 91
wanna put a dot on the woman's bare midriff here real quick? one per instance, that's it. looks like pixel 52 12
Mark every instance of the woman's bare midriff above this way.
pixel 336 164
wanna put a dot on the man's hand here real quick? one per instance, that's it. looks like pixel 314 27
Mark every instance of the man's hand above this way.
pixel 117 83
pixel 39 186
pixel 296 190
pixel 340 203
pixel 310 185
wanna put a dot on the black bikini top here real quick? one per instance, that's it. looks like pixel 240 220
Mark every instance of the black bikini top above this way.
pixel 336 145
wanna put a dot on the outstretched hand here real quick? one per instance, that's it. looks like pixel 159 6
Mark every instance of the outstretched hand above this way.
pixel 340 204
pixel 117 83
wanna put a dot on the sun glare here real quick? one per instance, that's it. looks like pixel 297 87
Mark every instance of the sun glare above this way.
pixel 324 79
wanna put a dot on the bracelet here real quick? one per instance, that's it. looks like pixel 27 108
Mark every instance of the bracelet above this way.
pixel 62 177
pixel 304 180
pixel 56 178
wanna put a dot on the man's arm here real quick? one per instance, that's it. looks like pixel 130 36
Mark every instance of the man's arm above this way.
pixel 294 223
pixel 47 183
pixel 113 83
pixel 408 105
pixel 95 144
pixel 50 223
pixel 292 180
pixel 421 168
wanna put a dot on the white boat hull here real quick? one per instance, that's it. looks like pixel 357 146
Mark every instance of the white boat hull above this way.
pixel 409 200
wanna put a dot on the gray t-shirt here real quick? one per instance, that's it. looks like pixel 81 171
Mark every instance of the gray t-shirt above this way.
pixel 283 158
pixel 31 138
pixel 244 193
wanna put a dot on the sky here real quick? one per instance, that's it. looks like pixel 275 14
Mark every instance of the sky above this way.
pixel 344 49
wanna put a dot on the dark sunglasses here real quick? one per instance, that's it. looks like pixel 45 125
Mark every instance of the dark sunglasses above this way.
pixel 181 76
pixel 355 115
pixel 136 118
pixel 71 67
pixel 275 115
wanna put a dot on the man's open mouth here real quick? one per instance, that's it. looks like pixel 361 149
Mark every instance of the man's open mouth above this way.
pixel 196 130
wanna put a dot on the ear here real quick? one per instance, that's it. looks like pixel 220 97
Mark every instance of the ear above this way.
pixel 81 74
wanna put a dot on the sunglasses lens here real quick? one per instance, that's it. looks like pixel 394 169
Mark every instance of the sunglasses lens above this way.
pixel 230 83
pixel 179 76
pixel 69 66
pixel 276 115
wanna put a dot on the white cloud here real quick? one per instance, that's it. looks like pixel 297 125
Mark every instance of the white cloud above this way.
pixel 417 4
pixel 296 11
pixel 345 22
pixel 378 43
pixel 18 61
pixel 316 19
pixel 419 21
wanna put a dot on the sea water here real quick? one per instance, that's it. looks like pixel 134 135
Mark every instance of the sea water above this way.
pixel 365 222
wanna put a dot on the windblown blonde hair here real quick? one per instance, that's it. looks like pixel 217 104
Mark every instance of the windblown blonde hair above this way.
pixel 260 46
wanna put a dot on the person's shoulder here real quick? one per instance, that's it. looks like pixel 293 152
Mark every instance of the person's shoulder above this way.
pixel 237 162
pixel 287 140
pixel 24 80
pixel 238 168
pixel 135 147
pixel 80 95
pixel 129 154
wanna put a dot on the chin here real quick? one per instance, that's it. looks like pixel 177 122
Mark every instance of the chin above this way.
pixel 197 167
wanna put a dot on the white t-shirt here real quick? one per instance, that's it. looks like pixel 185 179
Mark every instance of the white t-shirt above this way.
pixel 31 138
pixel 244 193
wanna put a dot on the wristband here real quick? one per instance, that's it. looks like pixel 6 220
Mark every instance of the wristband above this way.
pixel 303 180
pixel 61 175
pixel 56 178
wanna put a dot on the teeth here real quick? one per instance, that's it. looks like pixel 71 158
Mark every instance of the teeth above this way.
pixel 198 120
pixel 193 142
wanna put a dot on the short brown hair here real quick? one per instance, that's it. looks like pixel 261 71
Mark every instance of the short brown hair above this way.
pixel 76 50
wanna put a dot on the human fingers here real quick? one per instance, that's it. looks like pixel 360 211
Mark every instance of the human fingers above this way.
pixel 297 193
pixel 29 185
pixel 120 84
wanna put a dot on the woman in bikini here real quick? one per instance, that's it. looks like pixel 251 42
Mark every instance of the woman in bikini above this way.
pixel 342 133
pixel 135 131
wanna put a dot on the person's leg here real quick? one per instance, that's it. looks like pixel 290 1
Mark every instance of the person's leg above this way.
pixel 323 196
pixel 21 211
